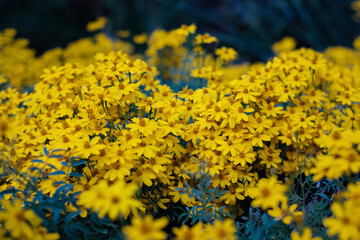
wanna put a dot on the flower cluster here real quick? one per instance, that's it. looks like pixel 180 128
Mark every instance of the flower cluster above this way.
pixel 22 224
pixel 148 228
pixel 125 144
pixel 345 221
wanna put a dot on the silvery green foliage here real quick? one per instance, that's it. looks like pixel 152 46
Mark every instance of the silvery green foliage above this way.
pixel 206 195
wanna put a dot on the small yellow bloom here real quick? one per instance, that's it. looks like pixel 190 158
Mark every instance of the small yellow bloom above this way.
pixel 146 228
pixel 205 39
pixel 226 54
pixel 123 33
pixel 140 38
pixel 189 233
pixel 284 45
pixel 98 24
pixel 268 193
pixel 221 230
pixel 306 235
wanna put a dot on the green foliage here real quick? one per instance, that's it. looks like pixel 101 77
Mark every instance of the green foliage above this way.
pixel 205 196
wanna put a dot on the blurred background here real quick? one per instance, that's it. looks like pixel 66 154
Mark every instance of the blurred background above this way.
pixel 249 26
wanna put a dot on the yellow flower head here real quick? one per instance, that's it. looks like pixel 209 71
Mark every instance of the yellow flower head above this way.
pixel 268 193
pixel 306 235
pixel 140 38
pixel 226 54
pixel 205 39
pixel 284 45
pixel 98 24
pixel 23 223
pixel 146 228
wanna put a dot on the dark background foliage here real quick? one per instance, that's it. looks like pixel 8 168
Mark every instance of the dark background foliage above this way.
pixel 250 26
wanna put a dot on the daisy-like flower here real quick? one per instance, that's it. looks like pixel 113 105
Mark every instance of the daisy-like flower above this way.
pixel 221 230
pixel 306 235
pixel 98 24
pixel 23 223
pixel 112 200
pixel 267 193
pixel 145 126
pixel 189 233
pixel 146 228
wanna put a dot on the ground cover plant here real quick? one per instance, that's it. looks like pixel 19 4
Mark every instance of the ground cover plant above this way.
pixel 98 142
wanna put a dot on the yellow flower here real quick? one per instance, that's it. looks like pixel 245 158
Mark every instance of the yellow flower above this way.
pixel 23 223
pixel 8 128
pixel 171 126
pixel 230 145
pixel 185 30
pixel 17 219
pixel 306 235
pixel 234 192
pixel 3 79
pixel 246 95
pixel 142 175
pixel 284 45
pixel 145 126
pixel 221 230
pixel 146 228
pixel 226 54
pixel 356 6
pixel 267 193
pixel 204 39
pixel 356 42
pixel 257 138
pixel 345 222
pixel 189 233
pixel 286 213
pixel 140 38
pixel 118 170
pixel 86 147
pixel 123 33
pixel 112 200
pixel 98 24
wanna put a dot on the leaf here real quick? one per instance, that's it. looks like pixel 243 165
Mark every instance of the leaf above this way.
pixel 64 163
pixel 72 159
pixel 99 229
pixel 210 206
pixel 9 191
pixel 207 184
pixel 75 193
pixel 57 150
pixel 187 186
pixel 183 215
pixel 56 156
pixel 201 187
pixel 52 166
pixel 63 188
pixel 81 227
pixel 58 183
pixel 46 151
pixel 37 161
pixel 71 216
pixel 56 215
pixel 59 172
pixel 77 163
pixel 75 174
pixel 222 208
pixel 322 195
pixel 32 169
pixel 227 214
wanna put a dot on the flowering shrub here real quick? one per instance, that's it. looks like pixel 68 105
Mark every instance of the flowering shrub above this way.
pixel 102 146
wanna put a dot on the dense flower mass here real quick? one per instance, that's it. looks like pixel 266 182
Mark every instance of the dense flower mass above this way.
pixel 102 141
